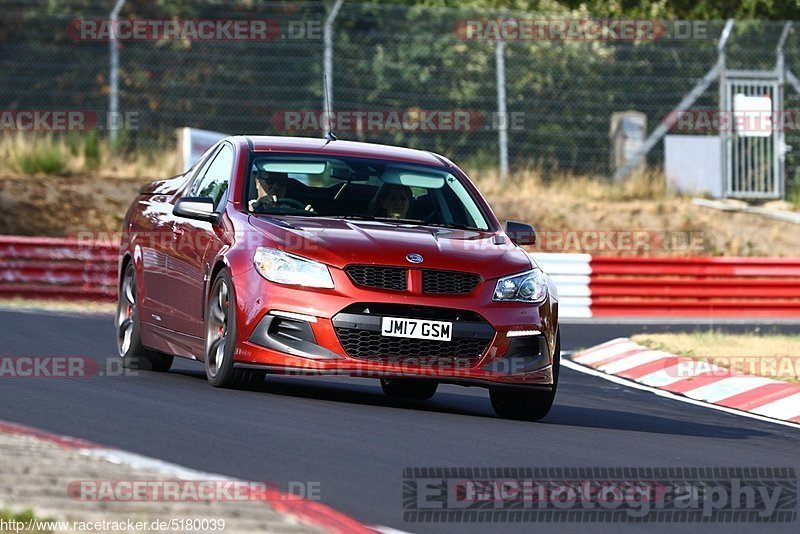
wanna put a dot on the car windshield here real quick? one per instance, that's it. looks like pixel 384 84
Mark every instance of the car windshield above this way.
pixel 356 188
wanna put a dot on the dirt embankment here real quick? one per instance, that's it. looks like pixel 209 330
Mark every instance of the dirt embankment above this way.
pixel 669 227
pixel 64 206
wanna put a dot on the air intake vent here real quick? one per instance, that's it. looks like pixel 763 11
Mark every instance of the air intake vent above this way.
pixel 448 282
pixel 391 278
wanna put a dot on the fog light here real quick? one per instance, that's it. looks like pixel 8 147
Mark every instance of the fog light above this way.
pixel 521 333
pixel 293 315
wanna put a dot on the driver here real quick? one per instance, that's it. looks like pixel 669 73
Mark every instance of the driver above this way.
pixel 271 188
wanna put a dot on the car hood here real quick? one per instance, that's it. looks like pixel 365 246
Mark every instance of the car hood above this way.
pixel 338 243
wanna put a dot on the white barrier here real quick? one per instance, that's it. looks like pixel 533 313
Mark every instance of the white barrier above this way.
pixel 571 274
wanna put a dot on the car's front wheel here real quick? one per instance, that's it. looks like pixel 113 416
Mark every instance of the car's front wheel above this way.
pixel 129 342
pixel 221 338
pixel 527 405
pixel 409 388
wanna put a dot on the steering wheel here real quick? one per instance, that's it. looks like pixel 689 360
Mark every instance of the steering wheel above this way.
pixel 295 204
pixel 290 203
pixel 281 203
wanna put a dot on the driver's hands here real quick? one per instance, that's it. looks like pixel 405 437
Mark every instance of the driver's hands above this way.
pixel 263 203
pixel 267 202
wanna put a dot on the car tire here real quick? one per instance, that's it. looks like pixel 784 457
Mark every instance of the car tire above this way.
pixel 220 339
pixel 409 388
pixel 129 342
pixel 527 405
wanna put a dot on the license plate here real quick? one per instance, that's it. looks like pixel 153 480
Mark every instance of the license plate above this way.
pixel 416 328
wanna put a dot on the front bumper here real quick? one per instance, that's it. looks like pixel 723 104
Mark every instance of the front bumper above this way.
pixel 294 331
pixel 295 346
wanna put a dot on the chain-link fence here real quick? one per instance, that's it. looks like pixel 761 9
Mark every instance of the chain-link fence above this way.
pixel 387 59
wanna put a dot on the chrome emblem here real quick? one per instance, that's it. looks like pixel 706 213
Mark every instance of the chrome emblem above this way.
pixel 414 258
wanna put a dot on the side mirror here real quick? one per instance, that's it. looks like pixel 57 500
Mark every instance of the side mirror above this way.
pixel 198 208
pixel 520 233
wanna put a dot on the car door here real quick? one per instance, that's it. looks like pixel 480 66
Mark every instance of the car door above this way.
pixel 152 225
pixel 187 268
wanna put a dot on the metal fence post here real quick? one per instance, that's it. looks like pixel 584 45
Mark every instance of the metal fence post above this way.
pixel 502 122
pixel 782 147
pixel 724 106
pixel 327 79
pixel 113 76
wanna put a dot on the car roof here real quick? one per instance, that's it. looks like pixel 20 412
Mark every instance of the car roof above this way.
pixel 315 145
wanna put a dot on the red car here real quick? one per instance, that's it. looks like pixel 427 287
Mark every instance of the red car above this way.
pixel 314 256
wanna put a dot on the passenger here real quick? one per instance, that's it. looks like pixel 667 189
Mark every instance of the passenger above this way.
pixel 391 200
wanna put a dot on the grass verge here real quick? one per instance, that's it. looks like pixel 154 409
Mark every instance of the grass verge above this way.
pixel 9 518
pixel 80 154
pixel 533 183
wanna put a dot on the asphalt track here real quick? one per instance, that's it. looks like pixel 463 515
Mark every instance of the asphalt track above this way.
pixel 345 435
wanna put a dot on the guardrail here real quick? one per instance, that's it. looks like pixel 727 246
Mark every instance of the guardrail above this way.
pixel 51 268
pixel 720 287
pixel 42 268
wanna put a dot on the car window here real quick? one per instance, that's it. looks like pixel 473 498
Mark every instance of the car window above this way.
pixel 199 167
pixel 361 188
pixel 214 180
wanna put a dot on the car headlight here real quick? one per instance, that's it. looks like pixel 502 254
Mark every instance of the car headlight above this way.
pixel 530 286
pixel 282 268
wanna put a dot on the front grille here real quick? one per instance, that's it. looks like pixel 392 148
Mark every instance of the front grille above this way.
pixel 392 278
pixel 372 346
pixel 448 282
pixel 396 279
pixel 358 328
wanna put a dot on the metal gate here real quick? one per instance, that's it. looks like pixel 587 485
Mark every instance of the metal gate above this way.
pixel 752 141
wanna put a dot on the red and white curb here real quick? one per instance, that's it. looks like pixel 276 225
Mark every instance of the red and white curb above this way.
pixel 311 513
pixel 762 398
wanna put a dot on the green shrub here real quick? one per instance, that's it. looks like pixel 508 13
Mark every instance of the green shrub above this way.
pixel 22 517
pixel 91 151
pixel 46 158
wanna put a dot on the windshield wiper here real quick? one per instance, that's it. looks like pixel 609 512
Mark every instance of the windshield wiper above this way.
pixel 419 222
pixel 359 217
pixel 455 226
pixel 380 219
pixel 398 220
pixel 286 212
